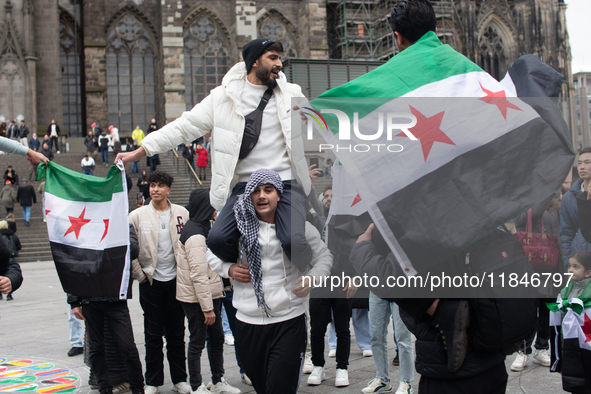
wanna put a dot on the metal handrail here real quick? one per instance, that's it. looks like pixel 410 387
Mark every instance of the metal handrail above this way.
pixel 189 165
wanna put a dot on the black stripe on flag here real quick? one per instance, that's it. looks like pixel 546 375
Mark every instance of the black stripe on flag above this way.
pixel 88 272
pixel 437 215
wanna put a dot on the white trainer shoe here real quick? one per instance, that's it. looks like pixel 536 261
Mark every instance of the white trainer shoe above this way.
pixel 316 377
pixel 332 353
pixel 308 366
pixel 367 353
pixel 377 385
pixel 229 339
pixel 245 379
pixel 201 390
pixel 151 390
pixel 404 388
pixel 520 362
pixel 342 378
pixel 182 388
pixel 224 387
pixel 542 357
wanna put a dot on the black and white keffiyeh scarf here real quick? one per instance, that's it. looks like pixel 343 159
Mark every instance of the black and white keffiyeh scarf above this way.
pixel 248 225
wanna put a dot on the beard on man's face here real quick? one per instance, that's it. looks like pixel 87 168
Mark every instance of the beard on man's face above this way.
pixel 264 75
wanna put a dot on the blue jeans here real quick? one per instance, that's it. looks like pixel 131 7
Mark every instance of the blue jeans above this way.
pixel 27 213
pixel 87 172
pixel 134 167
pixel 361 328
pixel 76 329
pixel 379 318
pixel 225 324
pixel 105 155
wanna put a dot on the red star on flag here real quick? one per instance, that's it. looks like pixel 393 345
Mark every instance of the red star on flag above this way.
pixel 587 328
pixel 106 229
pixel 356 200
pixel 47 212
pixel 428 131
pixel 76 224
pixel 499 99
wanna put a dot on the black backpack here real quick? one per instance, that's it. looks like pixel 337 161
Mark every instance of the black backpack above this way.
pixel 500 323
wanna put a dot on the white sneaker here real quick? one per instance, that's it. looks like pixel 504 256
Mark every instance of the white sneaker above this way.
pixel 332 353
pixel 224 387
pixel 520 362
pixel 404 388
pixel 316 377
pixel 308 366
pixel 245 379
pixel 201 390
pixel 151 390
pixel 542 357
pixel 182 388
pixel 342 378
pixel 367 353
pixel 229 339
pixel 377 386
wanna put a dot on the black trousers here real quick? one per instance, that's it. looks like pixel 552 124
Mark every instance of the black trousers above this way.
pixel 320 318
pixel 493 381
pixel 273 354
pixel 290 222
pixel 197 332
pixel 163 316
pixel 117 314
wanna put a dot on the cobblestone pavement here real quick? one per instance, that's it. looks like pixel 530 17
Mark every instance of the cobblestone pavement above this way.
pixel 34 327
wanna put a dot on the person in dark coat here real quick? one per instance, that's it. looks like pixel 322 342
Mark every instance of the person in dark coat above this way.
pixel 570 231
pixel 45 151
pixel 480 372
pixel 53 132
pixel 91 143
pixel 11 276
pixel 11 175
pixel 143 184
pixel 34 143
pixel 190 156
pixel 112 353
pixel 26 197
pixel 24 133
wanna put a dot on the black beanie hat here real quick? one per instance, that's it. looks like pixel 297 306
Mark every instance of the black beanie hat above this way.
pixel 253 50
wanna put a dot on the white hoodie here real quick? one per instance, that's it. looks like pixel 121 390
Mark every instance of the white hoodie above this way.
pixel 279 276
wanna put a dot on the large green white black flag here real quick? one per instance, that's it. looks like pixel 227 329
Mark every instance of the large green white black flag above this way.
pixel 439 151
pixel 88 230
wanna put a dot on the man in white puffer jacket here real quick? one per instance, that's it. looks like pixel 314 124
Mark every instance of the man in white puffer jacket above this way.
pixel 279 147
pixel 270 291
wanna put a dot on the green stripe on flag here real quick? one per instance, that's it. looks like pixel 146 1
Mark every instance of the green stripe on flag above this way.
pixel 424 62
pixel 74 186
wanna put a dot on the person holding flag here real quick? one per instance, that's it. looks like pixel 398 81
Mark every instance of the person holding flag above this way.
pixel 570 315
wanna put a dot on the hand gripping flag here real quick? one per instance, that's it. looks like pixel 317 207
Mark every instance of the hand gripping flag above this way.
pixel 473 157
pixel 88 230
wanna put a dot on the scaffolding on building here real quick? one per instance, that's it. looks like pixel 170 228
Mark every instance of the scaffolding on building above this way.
pixel 360 29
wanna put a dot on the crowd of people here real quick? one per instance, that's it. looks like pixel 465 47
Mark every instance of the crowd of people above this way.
pixel 267 247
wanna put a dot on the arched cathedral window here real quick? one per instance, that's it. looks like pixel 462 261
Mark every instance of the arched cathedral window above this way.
pixel 273 29
pixel 492 53
pixel 131 84
pixel 206 58
pixel 70 54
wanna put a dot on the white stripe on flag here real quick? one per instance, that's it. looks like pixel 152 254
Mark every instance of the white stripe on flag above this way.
pixel 82 224
pixel 127 271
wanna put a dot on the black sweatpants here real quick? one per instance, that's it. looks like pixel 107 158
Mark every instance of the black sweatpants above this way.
pixel 290 224
pixel 320 318
pixel 117 313
pixel 163 316
pixel 197 333
pixel 272 355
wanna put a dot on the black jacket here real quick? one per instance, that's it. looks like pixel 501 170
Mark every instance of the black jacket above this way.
pixel 431 356
pixel 188 153
pixel 26 196
pixel 47 153
pixel 12 131
pixel 57 130
pixel 13 178
pixel 23 131
pixel 91 143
